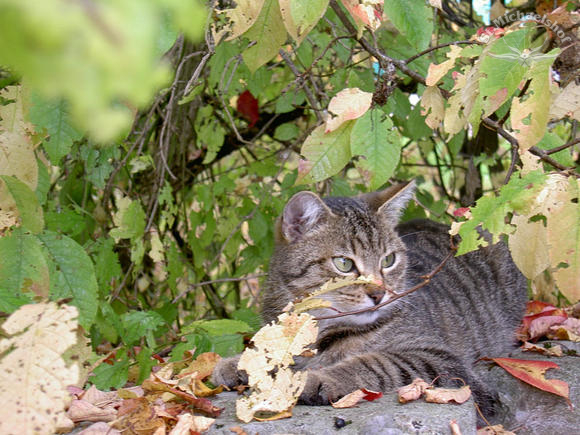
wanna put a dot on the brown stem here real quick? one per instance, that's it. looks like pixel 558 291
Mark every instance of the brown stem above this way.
pixel 563 147
pixel 437 47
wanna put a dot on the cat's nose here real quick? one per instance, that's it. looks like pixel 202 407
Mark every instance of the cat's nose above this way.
pixel 376 295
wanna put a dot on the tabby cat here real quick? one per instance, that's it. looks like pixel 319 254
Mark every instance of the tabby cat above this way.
pixel 470 309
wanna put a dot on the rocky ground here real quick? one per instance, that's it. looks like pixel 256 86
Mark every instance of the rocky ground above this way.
pixel 524 409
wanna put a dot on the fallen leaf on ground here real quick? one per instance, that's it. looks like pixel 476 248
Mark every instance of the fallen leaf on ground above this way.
pixel 412 391
pixel 238 430
pixel 203 365
pixel 542 325
pixel 371 395
pixel 187 423
pixel 532 372
pixel 81 410
pixel 551 351
pixel 100 428
pixel 569 329
pixel 448 395
pixel 350 400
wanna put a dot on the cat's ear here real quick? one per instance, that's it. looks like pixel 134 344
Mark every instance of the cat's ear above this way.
pixel 392 201
pixel 304 213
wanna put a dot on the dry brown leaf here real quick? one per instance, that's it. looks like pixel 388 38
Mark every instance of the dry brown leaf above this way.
pixel 350 400
pixel 567 103
pixel 569 329
pixel 34 397
pixel 494 430
pixel 138 416
pixel 447 395
pixel 412 391
pixel 98 397
pixel 81 410
pixel 203 365
pixel 238 430
pixel 100 428
pixel 551 351
pixel 275 346
pixel 187 423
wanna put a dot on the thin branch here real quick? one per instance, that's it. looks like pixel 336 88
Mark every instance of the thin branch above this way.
pixel 215 281
pixel 300 78
pixel 563 147
pixel 426 279
pixel 437 47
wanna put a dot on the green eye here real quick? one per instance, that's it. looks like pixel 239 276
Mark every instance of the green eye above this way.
pixel 343 264
pixel 388 261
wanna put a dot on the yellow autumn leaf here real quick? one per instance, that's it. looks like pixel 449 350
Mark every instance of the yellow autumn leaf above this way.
pixel 16 149
pixel 433 106
pixel 350 103
pixel 437 71
pixel 275 388
pixel 34 396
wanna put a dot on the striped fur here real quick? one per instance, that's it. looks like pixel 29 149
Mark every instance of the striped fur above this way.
pixel 470 309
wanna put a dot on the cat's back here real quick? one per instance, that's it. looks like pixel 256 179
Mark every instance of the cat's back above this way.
pixel 475 301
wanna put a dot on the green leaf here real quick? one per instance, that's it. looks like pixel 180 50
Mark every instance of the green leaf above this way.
pixel 72 275
pixel 53 116
pixel 23 270
pixel 300 16
pixel 129 220
pixel 268 33
pixel 138 324
pixel 286 131
pixel 374 138
pixel 249 317
pixel 199 343
pixel 26 202
pixel 326 153
pixel 490 211
pixel 146 363
pixel 227 345
pixel 107 265
pixel 65 221
pixel 499 73
pixel 106 376
pixel 413 18
pixel 552 140
pixel 218 327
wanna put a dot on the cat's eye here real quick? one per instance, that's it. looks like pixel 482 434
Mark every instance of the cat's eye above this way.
pixel 343 264
pixel 388 261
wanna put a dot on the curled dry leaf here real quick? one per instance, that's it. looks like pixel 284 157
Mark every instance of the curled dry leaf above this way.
pixel 187 423
pixel 81 410
pixel 275 387
pixel 34 396
pixel 448 395
pixel 412 391
pixel 353 398
pixel 350 400
pixel 238 430
pixel 551 351
pixel 100 428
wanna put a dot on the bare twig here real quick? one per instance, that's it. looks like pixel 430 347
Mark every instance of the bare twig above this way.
pixel 563 147
pixel 437 47
pixel 215 281
pixel 426 279
pixel 300 78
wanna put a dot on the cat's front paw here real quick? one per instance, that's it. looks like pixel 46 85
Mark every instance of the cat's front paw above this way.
pixel 321 389
pixel 226 373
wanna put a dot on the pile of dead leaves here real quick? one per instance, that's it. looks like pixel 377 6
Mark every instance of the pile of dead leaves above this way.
pixel 172 400
pixel 546 320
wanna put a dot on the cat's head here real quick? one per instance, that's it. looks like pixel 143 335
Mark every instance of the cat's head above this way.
pixel 323 239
